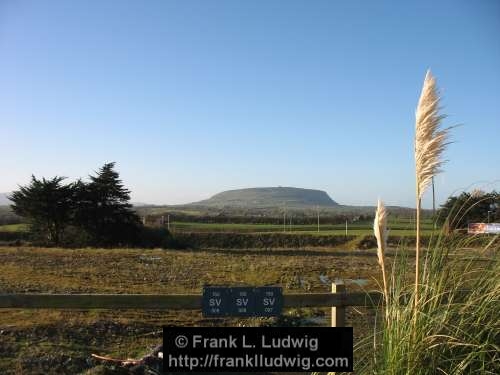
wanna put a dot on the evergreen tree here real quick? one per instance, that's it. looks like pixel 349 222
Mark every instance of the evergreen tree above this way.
pixel 47 205
pixel 458 211
pixel 104 211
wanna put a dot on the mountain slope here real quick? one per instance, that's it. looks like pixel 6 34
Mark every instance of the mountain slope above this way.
pixel 270 197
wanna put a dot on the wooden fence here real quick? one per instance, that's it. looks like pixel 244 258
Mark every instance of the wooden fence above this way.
pixel 338 300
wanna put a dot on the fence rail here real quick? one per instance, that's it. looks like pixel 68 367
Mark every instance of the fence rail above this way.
pixel 168 301
pixel 338 300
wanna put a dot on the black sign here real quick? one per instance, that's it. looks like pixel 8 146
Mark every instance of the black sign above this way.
pixel 216 301
pixel 242 301
pixel 268 301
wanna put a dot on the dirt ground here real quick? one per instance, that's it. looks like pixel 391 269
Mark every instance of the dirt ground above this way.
pixel 62 341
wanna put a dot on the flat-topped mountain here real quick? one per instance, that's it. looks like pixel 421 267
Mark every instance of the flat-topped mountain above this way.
pixel 270 197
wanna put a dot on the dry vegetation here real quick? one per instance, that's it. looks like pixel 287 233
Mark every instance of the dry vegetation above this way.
pixel 42 270
pixel 61 341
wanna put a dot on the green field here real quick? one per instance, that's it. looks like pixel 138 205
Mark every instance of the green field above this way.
pixel 397 227
pixel 14 228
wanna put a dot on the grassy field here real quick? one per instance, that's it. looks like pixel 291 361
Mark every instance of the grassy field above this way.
pixel 13 228
pixel 397 227
pixel 34 341
pixel 62 341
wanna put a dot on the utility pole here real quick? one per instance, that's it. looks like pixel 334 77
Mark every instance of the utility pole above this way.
pixel 284 218
pixel 433 198
pixel 317 211
pixel 346 227
pixel 433 204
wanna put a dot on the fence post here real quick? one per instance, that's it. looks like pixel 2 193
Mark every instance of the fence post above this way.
pixel 338 313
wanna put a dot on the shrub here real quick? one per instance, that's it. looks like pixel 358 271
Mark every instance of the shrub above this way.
pixel 14 236
pixel 227 240
pixel 156 237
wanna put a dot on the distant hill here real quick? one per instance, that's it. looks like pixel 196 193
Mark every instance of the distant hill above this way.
pixel 269 197
pixel 141 204
pixel 3 199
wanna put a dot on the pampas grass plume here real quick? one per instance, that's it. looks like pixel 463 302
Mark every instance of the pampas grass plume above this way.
pixel 430 142
pixel 380 231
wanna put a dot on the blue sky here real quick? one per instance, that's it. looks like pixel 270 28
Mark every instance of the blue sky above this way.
pixel 194 97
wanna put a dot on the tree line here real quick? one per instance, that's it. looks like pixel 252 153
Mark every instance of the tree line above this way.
pixel 469 207
pixel 98 212
pixel 297 218
pixel 93 213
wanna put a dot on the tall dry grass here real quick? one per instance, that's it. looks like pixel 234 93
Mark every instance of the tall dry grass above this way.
pixel 448 322
pixel 380 231
pixel 430 142
pixel 456 328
